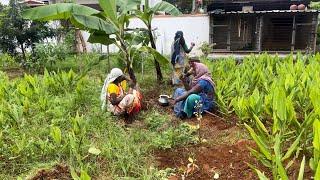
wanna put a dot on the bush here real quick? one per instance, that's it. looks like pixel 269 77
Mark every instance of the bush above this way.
pixel 7 61
pixel 47 53
pixel 206 48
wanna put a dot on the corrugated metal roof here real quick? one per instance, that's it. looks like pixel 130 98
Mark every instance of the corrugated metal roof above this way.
pixel 264 12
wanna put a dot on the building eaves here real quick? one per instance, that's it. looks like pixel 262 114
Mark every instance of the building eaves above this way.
pixel 263 12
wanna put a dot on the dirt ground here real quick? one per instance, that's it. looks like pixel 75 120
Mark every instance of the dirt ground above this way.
pixel 223 153
pixel 57 172
pixel 14 72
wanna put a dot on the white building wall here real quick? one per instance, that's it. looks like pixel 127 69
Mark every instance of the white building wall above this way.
pixel 151 2
pixel 194 27
pixel 154 2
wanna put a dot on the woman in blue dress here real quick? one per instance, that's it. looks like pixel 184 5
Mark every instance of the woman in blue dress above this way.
pixel 200 89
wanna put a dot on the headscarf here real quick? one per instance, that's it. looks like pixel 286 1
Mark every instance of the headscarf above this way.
pixel 112 76
pixel 202 73
pixel 178 42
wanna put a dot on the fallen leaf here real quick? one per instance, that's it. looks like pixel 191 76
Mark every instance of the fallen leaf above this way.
pixel 216 176
pixel 93 150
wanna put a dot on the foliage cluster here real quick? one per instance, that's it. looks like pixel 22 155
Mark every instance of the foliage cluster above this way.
pixel 18 34
pixel 111 26
pixel 277 101
pixel 7 61
pixel 56 118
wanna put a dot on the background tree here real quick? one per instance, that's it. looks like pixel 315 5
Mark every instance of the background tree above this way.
pixel 146 17
pixel 107 27
pixel 185 6
pixel 1 8
pixel 18 33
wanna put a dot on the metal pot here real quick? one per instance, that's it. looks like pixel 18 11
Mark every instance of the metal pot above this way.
pixel 164 100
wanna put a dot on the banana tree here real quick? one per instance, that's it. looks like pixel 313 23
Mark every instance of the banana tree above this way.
pixel 146 17
pixel 107 27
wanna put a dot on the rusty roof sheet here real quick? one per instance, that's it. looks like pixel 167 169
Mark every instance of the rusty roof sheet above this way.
pixel 264 12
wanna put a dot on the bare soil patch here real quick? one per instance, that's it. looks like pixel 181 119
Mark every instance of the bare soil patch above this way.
pixel 224 153
pixel 14 72
pixel 229 161
pixel 61 172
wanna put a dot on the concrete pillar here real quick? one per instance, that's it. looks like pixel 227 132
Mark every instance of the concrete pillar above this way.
pixel 259 31
pixel 293 37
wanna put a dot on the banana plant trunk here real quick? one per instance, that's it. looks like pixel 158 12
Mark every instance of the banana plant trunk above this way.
pixel 131 74
pixel 156 63
pixel 130 69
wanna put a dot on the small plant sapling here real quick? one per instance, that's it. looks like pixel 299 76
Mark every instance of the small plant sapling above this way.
pixel 198 114
pixel 191 167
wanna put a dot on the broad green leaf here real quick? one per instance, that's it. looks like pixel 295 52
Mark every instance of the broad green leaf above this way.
pixel 314 97
pixel 84 175
pixel 124 20
pixel 289 82
pixel 260 124
pixel 160 58
pixel 261 175
pixel 260 157
pixel 166 7
pixel 317 174
pixel 95 23
pixel 57 11
pixel 110 9
pixel 56 134
pixel 316 145
pixel 255 101
pixel 279 105
pixel 312 164
pixel 101 38
pixel 293 147
pixel 277 150
pixel 262 145
pixel 93 150
pixel 128 5
pixel 301 171
pixel 316 131
pixel 137 38
pixel 74 174
pixel 146 4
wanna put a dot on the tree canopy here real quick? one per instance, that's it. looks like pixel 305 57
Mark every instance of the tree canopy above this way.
pixel 16 33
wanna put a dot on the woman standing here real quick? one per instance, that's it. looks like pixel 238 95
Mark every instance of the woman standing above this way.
pixel 179 50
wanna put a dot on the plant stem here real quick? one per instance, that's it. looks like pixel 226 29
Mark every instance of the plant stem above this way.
pixel 153 45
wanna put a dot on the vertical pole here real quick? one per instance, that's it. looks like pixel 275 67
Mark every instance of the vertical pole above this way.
pixel 229 34
pixel 108 51
pixel 194 6
pixel 315 29
pixel 293 37
pixel 211 29
pixel 142 67
pixel 259 48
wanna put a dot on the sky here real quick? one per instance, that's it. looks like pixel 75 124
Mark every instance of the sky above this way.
pixel 4 1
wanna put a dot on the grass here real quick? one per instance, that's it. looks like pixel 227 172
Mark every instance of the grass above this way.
pixel 33 107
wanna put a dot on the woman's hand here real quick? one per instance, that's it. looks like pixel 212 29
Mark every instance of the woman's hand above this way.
pixel 172 102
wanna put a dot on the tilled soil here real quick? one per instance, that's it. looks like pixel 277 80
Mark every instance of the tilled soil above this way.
pixel 61 172
pixel 229 161
pixel 222 154
pixel 14 72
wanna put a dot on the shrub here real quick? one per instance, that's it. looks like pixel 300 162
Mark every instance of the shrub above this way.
pixel 7 61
